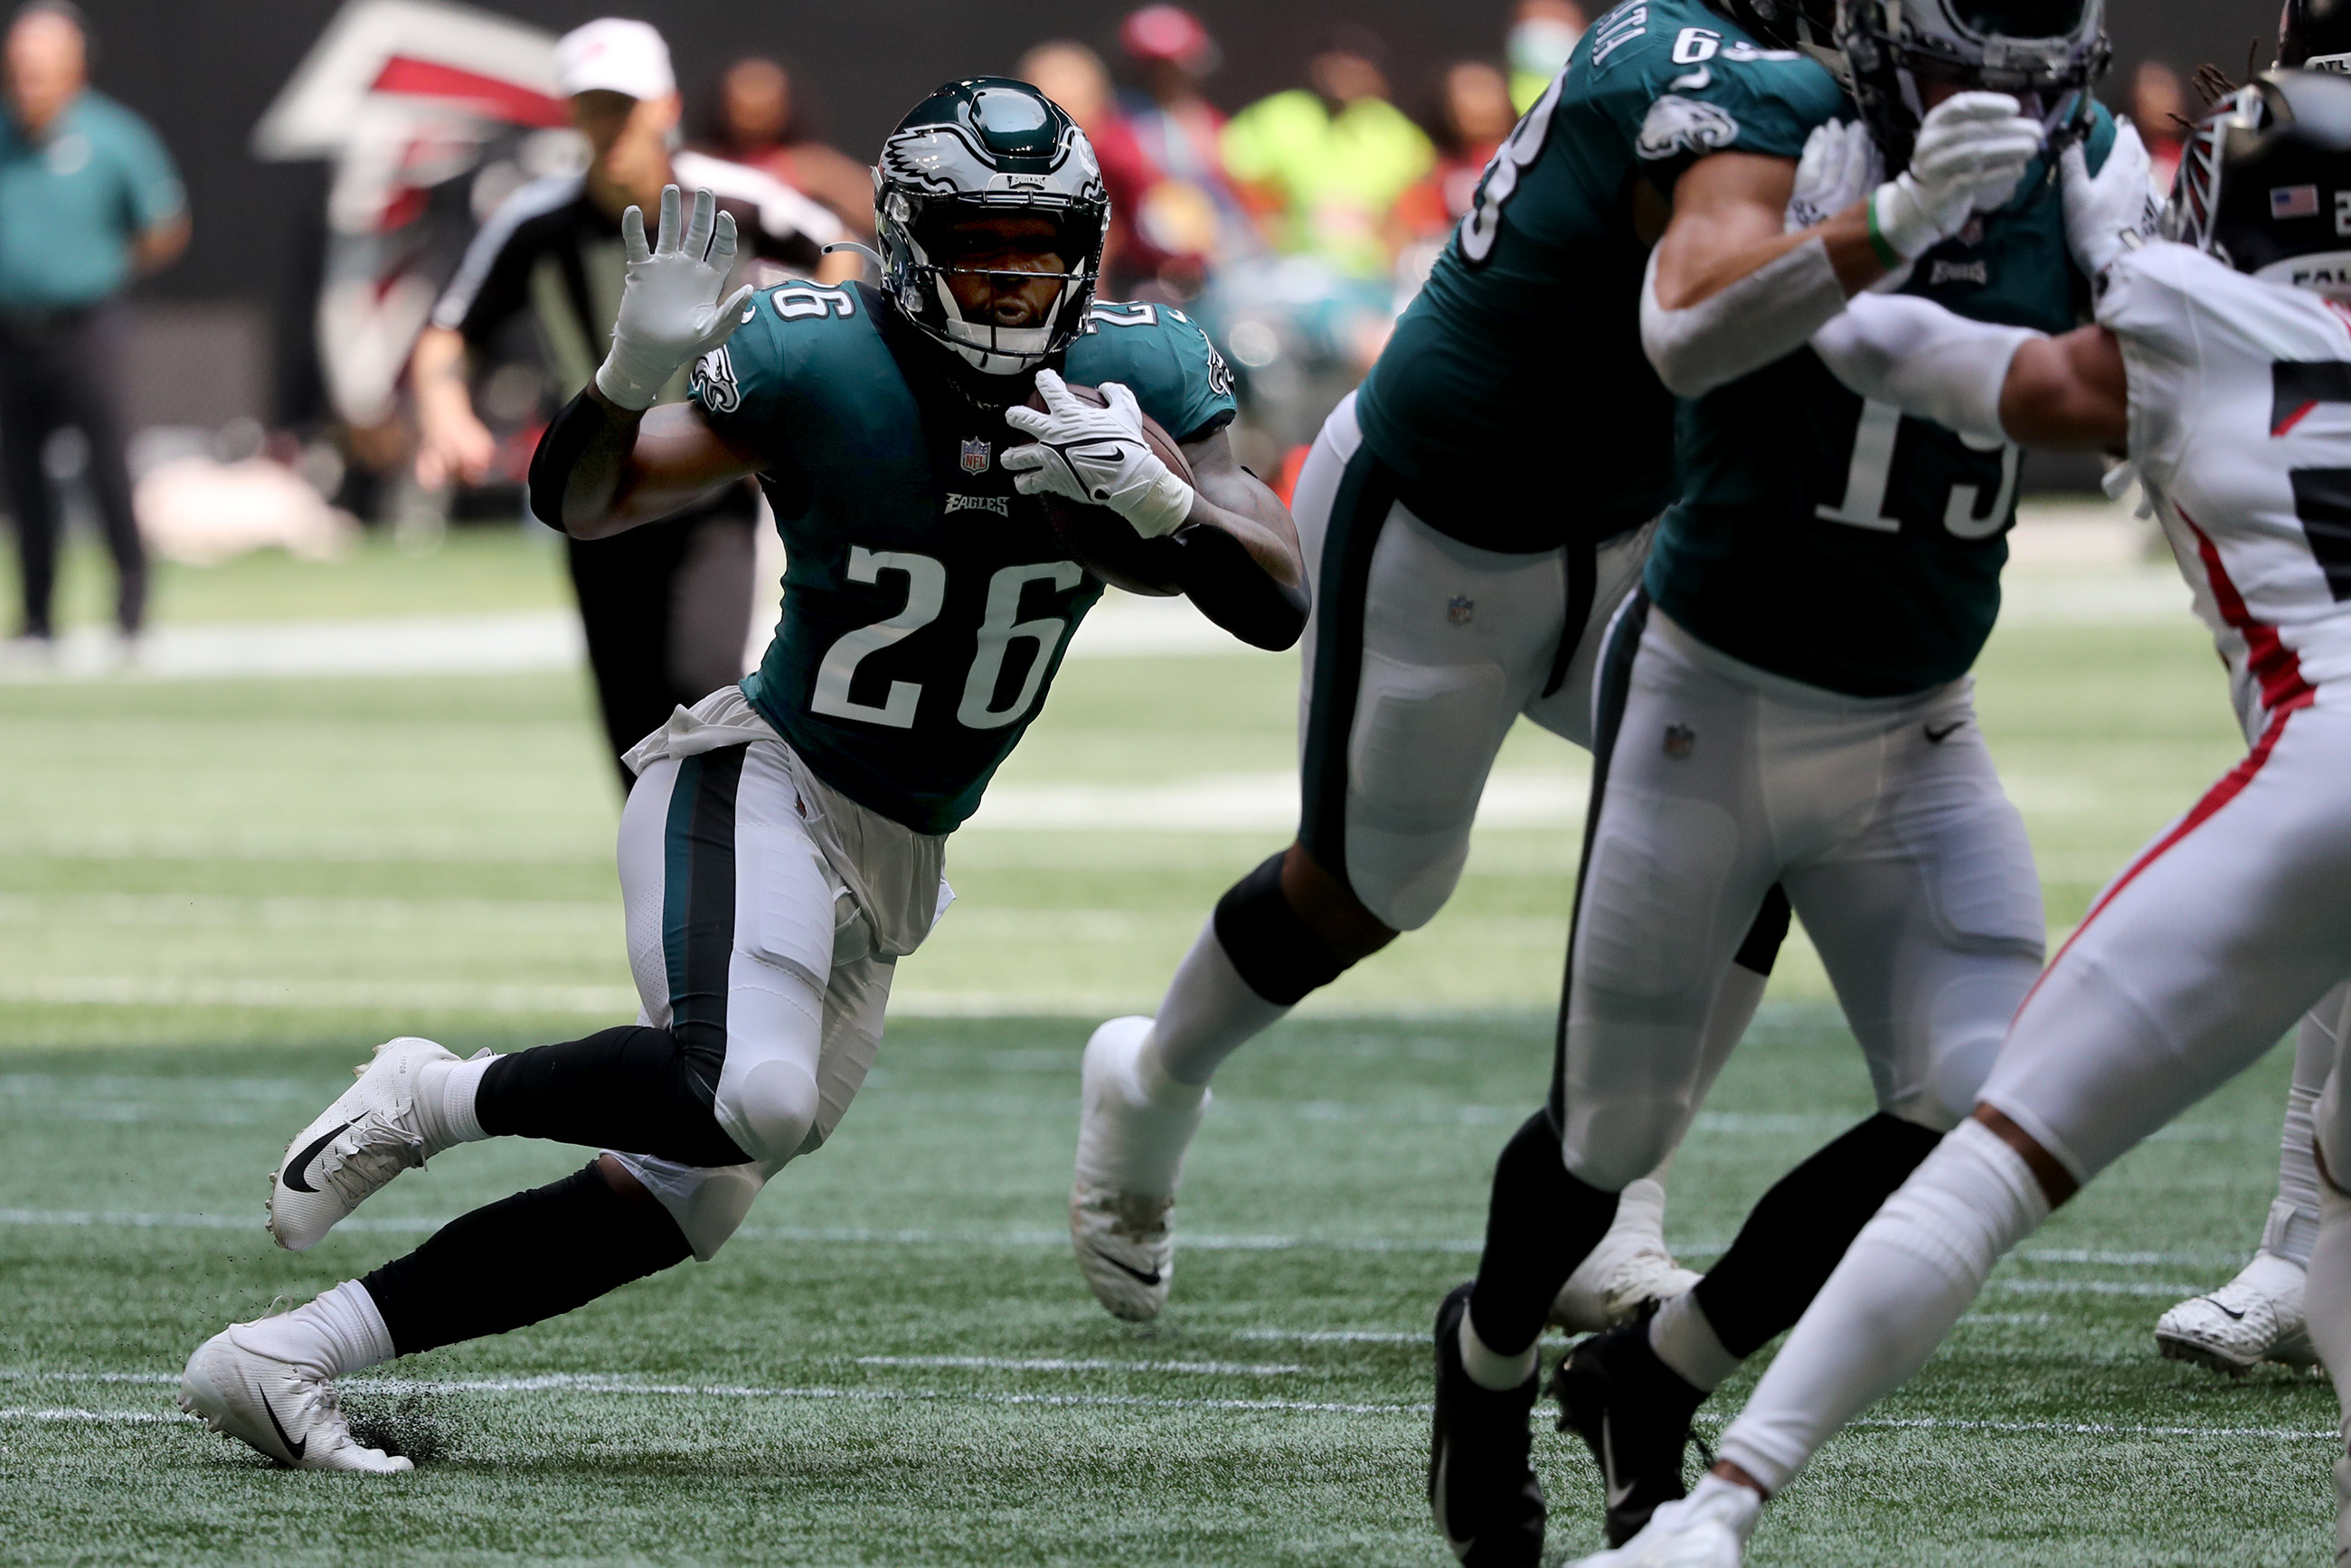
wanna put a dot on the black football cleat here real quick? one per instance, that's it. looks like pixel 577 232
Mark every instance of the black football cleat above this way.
pixel 1482 1488
pixel 1633 1413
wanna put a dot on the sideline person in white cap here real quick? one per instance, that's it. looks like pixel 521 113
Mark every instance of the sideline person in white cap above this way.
pixel 667 609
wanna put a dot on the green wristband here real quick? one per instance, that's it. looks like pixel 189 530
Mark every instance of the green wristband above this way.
pixel 1888 258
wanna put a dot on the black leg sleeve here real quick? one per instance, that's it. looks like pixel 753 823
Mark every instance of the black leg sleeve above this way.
pixel 628 1088
pixel 1793 1238
pixel 1541 1223
pixel 522 1259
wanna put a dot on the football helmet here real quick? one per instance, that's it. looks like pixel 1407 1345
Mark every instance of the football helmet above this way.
pixel 2315 35
pixel 2045 53
pixel 2265 179
pixel 1807 25
pixel 978 148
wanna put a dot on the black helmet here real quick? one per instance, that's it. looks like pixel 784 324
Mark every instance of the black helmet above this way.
pixel 1807 25
pixel 2315 35
pixel 2045 52
pixel 985 146
pixel 2266 178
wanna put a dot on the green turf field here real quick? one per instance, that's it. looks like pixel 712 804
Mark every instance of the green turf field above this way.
pixel 215 895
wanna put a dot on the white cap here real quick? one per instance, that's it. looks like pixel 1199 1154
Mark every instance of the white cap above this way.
pixel 612 55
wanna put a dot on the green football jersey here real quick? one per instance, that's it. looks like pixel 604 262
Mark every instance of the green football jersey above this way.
pixel 926 604
pixel 1514 402
pixel 1841 543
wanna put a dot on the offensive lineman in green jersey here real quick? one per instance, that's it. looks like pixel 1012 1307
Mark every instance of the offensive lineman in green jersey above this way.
pixel 784 843
pixel 1474 515
pixel 1787 706
pixel 1856 786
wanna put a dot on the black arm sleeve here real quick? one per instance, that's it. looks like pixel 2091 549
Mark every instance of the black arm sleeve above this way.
pixel 559 446
pixel 1217 572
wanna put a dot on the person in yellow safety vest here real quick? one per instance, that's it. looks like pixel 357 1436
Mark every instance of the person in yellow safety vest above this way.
pixel 1322 166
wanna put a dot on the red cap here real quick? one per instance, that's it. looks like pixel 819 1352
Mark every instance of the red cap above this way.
pixel 1165 33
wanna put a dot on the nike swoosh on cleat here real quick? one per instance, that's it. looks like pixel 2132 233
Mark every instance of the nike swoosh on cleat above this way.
pixel 2233 1317
pixel 292 1447
pixel 1937 737
pixel 1127 1269
pixel 301 1162
pixel 1618 1495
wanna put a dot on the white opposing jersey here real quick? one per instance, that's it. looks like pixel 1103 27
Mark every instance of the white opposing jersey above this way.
pixel 2241 428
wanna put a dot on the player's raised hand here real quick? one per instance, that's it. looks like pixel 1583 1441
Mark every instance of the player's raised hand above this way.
pixel 1096 456
pixel 1970 151
pixel 670 312
pixel 2114 210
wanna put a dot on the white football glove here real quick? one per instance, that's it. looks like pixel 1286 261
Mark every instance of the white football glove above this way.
pixel 670 314
pixel 1840 166
pixel 1971 150
pixel 1096 456
pixel 2114 211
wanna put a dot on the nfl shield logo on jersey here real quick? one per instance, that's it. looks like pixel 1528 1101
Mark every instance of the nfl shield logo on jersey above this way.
pixel 1461 609
pixel 975 457
pixel 1680 739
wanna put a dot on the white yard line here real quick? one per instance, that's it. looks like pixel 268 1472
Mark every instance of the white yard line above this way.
pixel 1060 1364
pixel 615 1385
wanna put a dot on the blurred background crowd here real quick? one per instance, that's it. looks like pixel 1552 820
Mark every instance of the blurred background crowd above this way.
pixel 1286 180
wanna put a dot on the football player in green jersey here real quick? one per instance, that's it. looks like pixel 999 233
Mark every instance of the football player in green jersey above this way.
pixel 784 843
pixel 1474 515
pixel 1824 622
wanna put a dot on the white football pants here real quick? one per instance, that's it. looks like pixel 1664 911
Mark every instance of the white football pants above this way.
pixel 802 992
pixel 1455 643
pixel 1882 819
pixel 2194 961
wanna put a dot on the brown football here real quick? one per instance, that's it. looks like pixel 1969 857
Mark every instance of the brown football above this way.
pixel 1106 543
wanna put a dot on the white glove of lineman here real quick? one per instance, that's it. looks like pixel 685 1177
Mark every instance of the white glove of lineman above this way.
pixel 1971 150
pixel 670 314
pixel 1096 456
pixel 1840 166
pixel 2114 211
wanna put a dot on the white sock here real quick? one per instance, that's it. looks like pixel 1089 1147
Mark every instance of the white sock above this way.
pixel 445 1103
pixel 1686 1342
pixel 1209 1013
pixel 2294 1217
pixel 2326 1309
pixel 1491 1368
pixel 1903 1284
pixel 336 1332
pixel 1139 1149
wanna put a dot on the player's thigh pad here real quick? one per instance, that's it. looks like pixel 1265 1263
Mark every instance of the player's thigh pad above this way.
pixel 2195 960
pixel 1448 642
pixel 1566 709
pixel 789 906
pixel 1927 917
pixel 1679 865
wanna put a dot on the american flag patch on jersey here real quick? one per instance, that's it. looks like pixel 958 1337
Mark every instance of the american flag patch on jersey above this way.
pixel 2294 201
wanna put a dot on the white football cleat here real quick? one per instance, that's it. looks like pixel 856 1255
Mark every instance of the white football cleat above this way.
pixel 1627 1270
pixel 284 1410
pixel 1130 1153
pixel 356 1146
pixel 1708 1529
pixel 2253 1317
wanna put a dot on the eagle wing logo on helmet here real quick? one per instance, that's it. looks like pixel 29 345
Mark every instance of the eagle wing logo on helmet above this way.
pixel 1677 125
